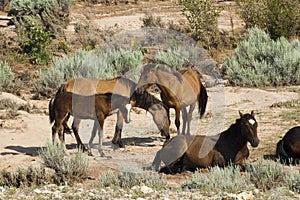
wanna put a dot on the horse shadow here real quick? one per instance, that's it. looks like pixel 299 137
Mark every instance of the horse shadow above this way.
pixel 138 141
pixel 30 151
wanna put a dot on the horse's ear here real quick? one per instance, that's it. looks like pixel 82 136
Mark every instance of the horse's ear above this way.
pixel 252 113
pixel 241 114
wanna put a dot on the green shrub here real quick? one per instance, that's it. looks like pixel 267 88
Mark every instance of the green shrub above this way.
pixel 151 21
pixel 99 63
pixel 228 178
pixel 127 180
pixel 202 17
pixel 68 169
pixel 261 61
pixel 50 15
pixel 35 45
pixel 267 175
pixel 172 58
pixel 6 77
pixel 24 177
pixel 277 17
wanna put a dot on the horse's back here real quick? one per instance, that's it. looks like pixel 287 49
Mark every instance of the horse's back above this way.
pixel 175 148
pixel 291 142
pixel 91 86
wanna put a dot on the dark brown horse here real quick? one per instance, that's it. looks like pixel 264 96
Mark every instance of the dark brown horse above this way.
pixel 96 107
pixel 185 152
pixel 124 87
pixel 288 148
pixel 178 90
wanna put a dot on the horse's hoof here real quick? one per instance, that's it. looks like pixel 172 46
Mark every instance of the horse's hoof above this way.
pixel 118 144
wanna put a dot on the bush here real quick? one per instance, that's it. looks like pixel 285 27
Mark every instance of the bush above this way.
pixel 35 45
pixel 49 15
pixel 277 17
pixel 171 57
pixel 269 175
pixel 229 179
pixel 128 179
pixel 261 61
pixel 6 77
pixel 24 177
pixel 202 17
pixel 99 63
pixel 68 169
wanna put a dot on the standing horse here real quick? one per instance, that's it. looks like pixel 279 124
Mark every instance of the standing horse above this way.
pixel 178 90
pixel 289 146
pixel 185 152
pixel 124 87
pixel 96 107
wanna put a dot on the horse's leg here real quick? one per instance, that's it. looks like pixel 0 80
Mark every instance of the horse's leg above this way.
pixel 75 127
pixel 118 130
pixel 93 135
pixel 156 162
pixel 241 156
pixel 177 118
pixel 189 119
pixel 100 124
pixel 67 130
pixel 218 159
pixel 184 119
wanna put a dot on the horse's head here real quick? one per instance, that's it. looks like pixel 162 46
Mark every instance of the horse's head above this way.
pixel 249 128
pixel 160 117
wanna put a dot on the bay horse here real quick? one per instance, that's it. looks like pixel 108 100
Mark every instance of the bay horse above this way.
pixel 178 90
pixel 120 86
pixel 96 107
pixel 288 148
pixel 186 152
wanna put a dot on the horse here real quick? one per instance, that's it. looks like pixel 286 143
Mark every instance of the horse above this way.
pixel 178 90
pixel 186 152
pixel 96 107
pixel 288 148
pixel 124 87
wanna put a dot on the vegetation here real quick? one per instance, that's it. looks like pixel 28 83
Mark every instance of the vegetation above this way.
pixel 98 63
pixel 7 77
pixel 278 18
pixel 264 175
pixel 228 179
pixel 68 169
pixel 261 61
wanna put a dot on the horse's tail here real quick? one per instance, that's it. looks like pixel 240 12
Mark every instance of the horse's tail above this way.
pixel 60 90
pixel 202 100
pixel 51 110
pixel 280 150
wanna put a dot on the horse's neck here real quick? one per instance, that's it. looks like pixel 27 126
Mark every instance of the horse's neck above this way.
pixel 170 84
pixel 232 137
pixel 149 101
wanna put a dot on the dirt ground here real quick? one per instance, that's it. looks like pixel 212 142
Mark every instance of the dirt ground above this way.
pixel 22 137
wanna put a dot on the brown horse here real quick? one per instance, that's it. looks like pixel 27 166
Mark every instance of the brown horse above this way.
pixel 124 87
pixel 289 147
pixel 178 90
pixel 96 107
pixel 190 152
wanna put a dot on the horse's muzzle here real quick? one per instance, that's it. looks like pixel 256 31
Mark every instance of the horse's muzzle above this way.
pixel 254 142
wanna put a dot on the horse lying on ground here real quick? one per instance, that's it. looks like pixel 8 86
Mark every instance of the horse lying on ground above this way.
pixel 288 148
pixel 186 152
pixel 119 86
pixel 178 90
pixel 96 107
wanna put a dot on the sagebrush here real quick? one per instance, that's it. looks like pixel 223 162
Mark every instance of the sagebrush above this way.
pixel 262 61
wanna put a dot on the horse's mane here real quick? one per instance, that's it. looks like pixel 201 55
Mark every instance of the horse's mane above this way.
pixel 147 100
pixel 164 68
